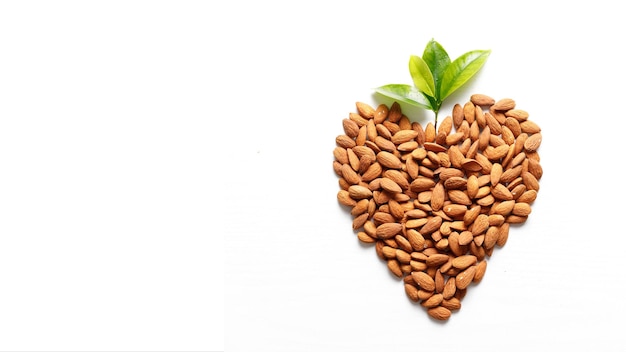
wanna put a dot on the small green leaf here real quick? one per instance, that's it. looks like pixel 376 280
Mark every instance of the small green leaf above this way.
pixel 405 93
pixel 422 77
pixel 437 60
pixel 461 70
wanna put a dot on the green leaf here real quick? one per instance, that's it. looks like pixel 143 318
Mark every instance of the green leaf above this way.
pixel 461 70
pixel 437 60
pixel 422 77
pixel 405 93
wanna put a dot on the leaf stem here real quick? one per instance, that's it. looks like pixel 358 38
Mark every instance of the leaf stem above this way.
pixel 436 108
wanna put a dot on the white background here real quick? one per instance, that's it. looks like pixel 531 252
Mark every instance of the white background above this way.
pixel 106 191
pixel 166 179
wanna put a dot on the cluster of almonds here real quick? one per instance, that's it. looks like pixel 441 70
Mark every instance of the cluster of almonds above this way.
pixel 436 202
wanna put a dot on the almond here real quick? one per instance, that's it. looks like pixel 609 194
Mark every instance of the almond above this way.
pixel 404 136
pixel 423 280
pixel 503 208
pixel 363 237
pixel 463 262
pixel 431 225
pixel 459 197
pixel 365 110
pixel 344 198
pixel 345 141
pixel 471 165
pixel 518 114
pixel 521 209
pixel 530 181
pixel 465 238
pixel 449 289
pixel 455 182
pixel 491 237
pixel 455 210
pixel 465 277
pixel 433 301
pixel 439 313
pixel 381 113
pixel 501 192
pixel 384 144
pixel 358 192
pixel 388 230
pixel 457 115
pixel 527 197
pixel 529 127
pixel 437 259
pixel 480 271
pixel 533 142
pixel 389 185
pixel 451 304
pixel 421 184
pixel 394 267
pixel 438 196
pixel 482 100
pixel 504 104
pixel 411 292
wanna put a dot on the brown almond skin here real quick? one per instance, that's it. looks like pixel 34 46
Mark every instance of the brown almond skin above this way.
pixel 365 110
pixel 521 209
pixel 433 224
pixel 455 182
pixel 394 267
pixel 388 230
pixel 533 142
pixel 421 184
pixel 437 259
pixel 411 292
pixel 359 221
pixel 345 141
pixel 438 197
pixel 424 280
pixel 344 198
pixel 452 303
pixel 381 113
pixel 439 313
pixel 527 197
pixel 463 262
pixel 358 192
pixel 530 181
pixel 449 288
pixel 482 100
pixel 389 160
pixel 465 277
pixel 457 115
pixel 365 238
pixel 504 104
pixel 491 237
pixel 455 210
pixel 481 268
pixel 390 185
pixel 433 301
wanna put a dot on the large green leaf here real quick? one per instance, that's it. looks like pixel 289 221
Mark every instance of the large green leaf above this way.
pixel 437 60
pixel 405 93
pixel 461 70
pixel 422 77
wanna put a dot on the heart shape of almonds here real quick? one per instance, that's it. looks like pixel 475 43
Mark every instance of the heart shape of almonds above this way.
pixel 436 202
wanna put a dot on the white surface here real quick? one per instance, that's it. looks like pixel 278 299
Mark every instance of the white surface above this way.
pixel 296 277
pixel 104 192
pixel 151 152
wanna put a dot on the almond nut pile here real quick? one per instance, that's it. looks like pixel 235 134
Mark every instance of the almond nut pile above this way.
pixel 436 202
